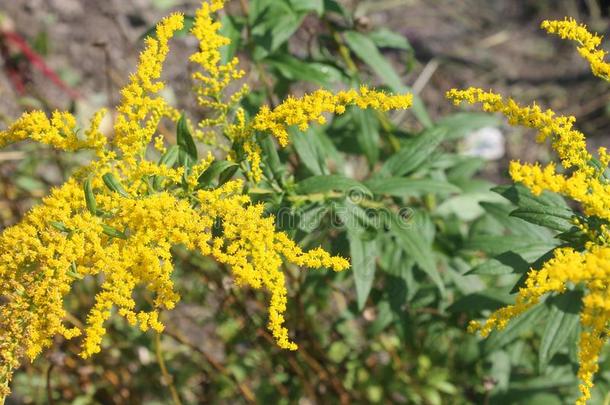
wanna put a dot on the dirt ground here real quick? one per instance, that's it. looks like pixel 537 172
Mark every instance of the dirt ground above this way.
pixel 495 44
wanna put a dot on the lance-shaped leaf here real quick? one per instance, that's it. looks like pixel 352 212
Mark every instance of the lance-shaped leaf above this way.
pixel 416 246
pixel 184 138
pixel 331 182
pixel 113 232
pixel 557 218
pixel 562 320
pixel 363 254
pixel 90 197
pixel 222 169
pixel 413 153
pixel 169 159
pixel 113 184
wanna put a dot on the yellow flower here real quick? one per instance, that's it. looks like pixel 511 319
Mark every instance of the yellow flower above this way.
pixel 300 112
pixel 120 229
pixel 254 250
pixel 568 142
pixel 588 43
pixel 60 131
pixel 583 183
pixel 141 110
pixel 214 76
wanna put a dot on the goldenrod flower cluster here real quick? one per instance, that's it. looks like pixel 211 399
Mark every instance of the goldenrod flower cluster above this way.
pixel 214 76
pixel 142 108
pixel 116 220
pixel 588 43
pixel 59 131
pixel 582 181
pixel 303 111
pixel 310 108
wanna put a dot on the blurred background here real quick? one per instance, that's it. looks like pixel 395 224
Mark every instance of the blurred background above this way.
pixel 76 55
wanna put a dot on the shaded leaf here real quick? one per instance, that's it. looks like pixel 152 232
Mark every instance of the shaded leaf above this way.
pixel 562 320
pixel 461 124
pixel 331 182
pixel 89 196
pixel 185 142
pixel 413 152
pixel 222 169
pixel 515 328
pixel 365 48
pixel 416 247
pixel 113 184
pixel 552 217
pixel 402 186
pixel 363 254
pixel 367 135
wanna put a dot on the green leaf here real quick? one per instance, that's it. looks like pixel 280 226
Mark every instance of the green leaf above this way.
pixel 310 218
pixel 413 152
pixel 481 301
pixel 90 197
pixel 416 247
pixel 113 232
pixel 465 169
pixel 367 134
pixel 496 244
pixel 310 150
pixel 114 185
pixel 222 169
pixel 316 6
pixel 562 320
pixel 544 383
pixel 515 328
pixel 170 157
pixel 231 28
pixel 500 369
pixel 29 184
pixel 331 182
pixel 517 261
pixel 402 186
pixel 504 263
pixel 385 38
pixel 557 218
pixel 60 226
pixel 300 70
pixel 517 226
pixel 338 351
pixel 461 124
pixel 272 23
pixel 333 6
pixel 523 198
pixel 185 142
pixel 364 47
pixel 271 157
pixel 363 254
pixel 466 206
pixel 354 216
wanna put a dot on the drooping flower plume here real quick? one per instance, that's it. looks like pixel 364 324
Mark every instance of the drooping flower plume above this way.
pixel 579 176
pixel 118 217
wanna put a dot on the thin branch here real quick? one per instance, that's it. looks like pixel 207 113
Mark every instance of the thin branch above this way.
pixel 168 379
pixel 50 399
pixel 244 389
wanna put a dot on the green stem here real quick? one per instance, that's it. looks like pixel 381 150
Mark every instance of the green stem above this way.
pixel 167 378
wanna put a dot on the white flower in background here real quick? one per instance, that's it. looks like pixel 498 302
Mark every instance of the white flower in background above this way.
pixel 487 143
